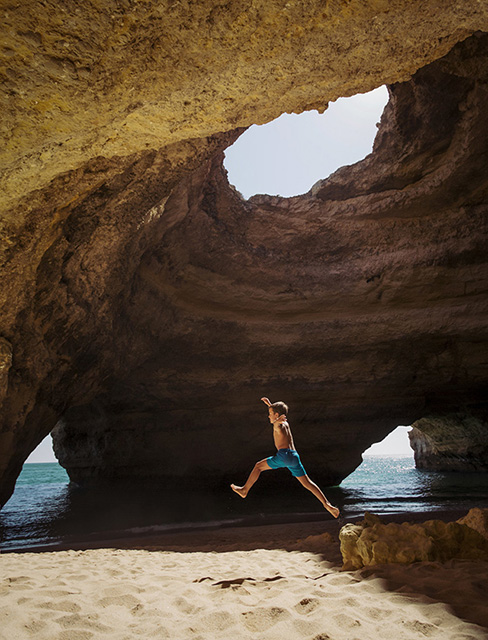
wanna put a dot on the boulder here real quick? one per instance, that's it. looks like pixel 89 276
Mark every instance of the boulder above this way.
pixel 477 519
pixel 373 542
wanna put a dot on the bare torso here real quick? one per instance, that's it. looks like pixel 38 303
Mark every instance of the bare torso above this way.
pixel 282 436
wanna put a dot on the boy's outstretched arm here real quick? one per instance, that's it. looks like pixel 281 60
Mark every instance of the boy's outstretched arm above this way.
pixel 266 401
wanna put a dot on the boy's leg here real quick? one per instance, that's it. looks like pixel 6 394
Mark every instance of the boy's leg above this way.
pixel 262 465
pixel 311 486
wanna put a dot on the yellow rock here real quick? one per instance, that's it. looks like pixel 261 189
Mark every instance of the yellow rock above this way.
pixel 373 542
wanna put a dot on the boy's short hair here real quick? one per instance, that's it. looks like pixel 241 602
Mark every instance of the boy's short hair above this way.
pixel 280 408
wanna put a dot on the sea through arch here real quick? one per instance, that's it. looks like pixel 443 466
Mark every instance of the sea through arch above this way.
pixel 288 155
pixel 387 481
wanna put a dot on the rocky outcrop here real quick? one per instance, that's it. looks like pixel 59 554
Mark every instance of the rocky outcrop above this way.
pixel 146 306
pixel 452 442
pixel 477 519
pixel 372 542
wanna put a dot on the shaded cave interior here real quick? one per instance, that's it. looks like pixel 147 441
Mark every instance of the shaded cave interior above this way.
pixel 362 304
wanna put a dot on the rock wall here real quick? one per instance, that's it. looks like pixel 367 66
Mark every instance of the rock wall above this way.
pixel 146 306
pixel 359 303
pixel 452 442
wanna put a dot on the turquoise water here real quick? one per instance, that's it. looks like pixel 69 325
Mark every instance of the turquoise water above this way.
pixel 46 509
pixel 392 484
pixel 42 473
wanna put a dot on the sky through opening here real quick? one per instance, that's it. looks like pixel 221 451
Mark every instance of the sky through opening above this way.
pixel 289 155
pixel 396 443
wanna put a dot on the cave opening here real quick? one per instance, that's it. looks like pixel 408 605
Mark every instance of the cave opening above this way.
pixel 288 155
pixel 396 443
pixel 43 453
pixel 389 481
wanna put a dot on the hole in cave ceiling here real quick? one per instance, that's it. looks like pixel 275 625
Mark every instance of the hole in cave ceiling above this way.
pixel 287 156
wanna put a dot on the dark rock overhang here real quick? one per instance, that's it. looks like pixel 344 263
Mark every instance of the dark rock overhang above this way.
pixel 148 305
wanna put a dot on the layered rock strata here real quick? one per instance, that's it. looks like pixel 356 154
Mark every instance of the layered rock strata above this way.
pixel 360 303
pixel 452 442
pixel 146 306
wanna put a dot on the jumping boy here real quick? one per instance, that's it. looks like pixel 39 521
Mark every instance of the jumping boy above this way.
pixel 286 456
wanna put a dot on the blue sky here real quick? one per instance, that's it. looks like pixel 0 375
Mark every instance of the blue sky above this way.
pixel 290 154
pixel 286 157
pixel 395 443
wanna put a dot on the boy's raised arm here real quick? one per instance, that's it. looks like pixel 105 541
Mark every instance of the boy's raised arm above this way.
pixel 266 401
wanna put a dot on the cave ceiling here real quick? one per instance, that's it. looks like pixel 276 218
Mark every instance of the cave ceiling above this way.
pixel 146 306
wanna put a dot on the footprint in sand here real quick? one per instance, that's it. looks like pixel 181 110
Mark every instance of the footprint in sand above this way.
pixel 62 605
pixel 183 605
pixel 349 603
pixel 377 614
pixel 346 622
pixel 307 605
pixel 127 600
pixel 305 628
pixel 114 573
pixel 262 618
pixel 218 621
pixel 18 583
pixel 73 577
pixel 35 626
pixel 421 628
pixel 17 579
pixel 82 622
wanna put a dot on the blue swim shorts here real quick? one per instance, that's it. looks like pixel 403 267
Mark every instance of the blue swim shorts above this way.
pixel 288 458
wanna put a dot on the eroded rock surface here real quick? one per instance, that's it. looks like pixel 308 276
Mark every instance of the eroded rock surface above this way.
pixel 358 303
pixel 477 519
pixel 148 306
pixel 116 77
pixel 372 542
pixel 452 442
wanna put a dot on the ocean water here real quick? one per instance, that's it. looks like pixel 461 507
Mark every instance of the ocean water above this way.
pixel 45 509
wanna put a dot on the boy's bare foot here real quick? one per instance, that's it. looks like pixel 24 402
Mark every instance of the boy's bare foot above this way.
pixel 334 511
pixel 239 490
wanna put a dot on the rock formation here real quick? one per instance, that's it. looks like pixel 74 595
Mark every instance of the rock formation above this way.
pixel 372 542
pixel 477 519
pixel 146 306
pixel 452 442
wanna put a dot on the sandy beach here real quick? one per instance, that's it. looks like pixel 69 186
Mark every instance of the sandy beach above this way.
pixel 281 581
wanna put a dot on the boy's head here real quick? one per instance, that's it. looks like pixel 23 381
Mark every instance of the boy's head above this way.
pixel 277 409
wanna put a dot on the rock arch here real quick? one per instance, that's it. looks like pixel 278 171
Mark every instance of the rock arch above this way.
pixel 146 305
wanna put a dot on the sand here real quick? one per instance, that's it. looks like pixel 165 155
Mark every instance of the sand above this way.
pixel 246 587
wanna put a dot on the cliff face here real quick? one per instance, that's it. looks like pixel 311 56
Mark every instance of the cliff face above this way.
pixel 147 306
pixel 359 303
pixel 452 442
